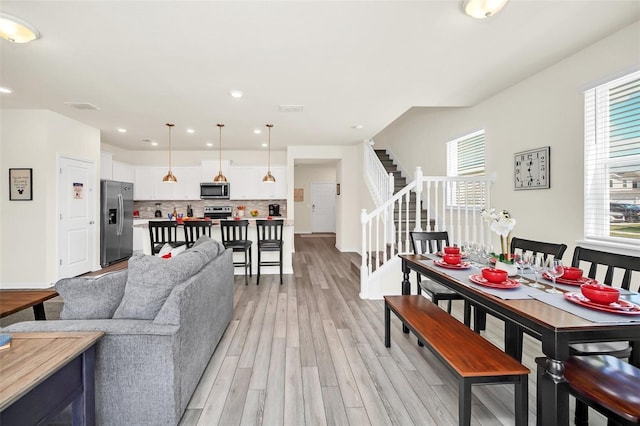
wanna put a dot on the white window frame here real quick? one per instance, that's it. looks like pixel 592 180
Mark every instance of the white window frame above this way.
pixel 464 197
pixel 597 166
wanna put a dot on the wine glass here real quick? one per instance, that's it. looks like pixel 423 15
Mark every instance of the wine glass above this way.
pixel 554 270
pixel 470 249
pixel 537 266
pixel 521 261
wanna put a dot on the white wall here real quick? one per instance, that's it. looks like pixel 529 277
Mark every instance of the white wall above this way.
pixel 348 175
pixel 546 109
pixel 305 175
pixel 28 229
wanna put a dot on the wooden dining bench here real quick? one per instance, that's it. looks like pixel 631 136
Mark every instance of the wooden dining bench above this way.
pixel 472 358
pixel 608 384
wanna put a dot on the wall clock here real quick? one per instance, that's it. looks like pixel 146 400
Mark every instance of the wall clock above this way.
pixel 531 169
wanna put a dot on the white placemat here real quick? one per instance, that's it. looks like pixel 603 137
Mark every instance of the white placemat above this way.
pixel 593 315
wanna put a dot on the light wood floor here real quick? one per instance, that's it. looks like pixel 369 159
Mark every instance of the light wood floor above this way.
pixel 311 352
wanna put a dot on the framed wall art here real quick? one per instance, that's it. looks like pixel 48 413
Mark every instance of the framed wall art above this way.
pixel 531 169
pixel 20 184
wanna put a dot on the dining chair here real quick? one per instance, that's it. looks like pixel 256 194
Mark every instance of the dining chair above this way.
pixel 194 229
pixel 163 232
pixel 269 240
pixel 547 250
pixel 593 262
pixel 235 236
pixel 432 242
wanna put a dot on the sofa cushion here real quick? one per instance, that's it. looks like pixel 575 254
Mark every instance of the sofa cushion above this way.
pixel 151 280
pixel 91 298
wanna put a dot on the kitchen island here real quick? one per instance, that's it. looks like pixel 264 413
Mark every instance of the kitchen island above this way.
pixel 142 243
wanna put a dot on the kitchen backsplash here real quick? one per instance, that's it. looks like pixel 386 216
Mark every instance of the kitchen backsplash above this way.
pixel 147 208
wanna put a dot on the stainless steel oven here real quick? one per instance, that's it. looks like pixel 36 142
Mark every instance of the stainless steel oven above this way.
pixel 218 212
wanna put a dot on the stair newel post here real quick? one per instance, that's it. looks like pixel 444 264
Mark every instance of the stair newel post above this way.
pixel 419 185
pixel 389 222
pixel 363 266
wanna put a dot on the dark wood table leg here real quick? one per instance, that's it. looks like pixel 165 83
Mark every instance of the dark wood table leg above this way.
pixel 38 312
pixel 513 340
pixel 83 407
pixel 553 388
pixel 406 286
pixel 387 325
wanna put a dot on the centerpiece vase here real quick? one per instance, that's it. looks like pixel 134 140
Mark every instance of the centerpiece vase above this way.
pixel 505 263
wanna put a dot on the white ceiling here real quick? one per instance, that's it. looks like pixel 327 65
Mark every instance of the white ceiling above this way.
pixel 364 63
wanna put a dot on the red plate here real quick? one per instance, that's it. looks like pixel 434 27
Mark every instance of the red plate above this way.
pixel 560 280
pixel 505 285
pixel 463 265
pixel 619 307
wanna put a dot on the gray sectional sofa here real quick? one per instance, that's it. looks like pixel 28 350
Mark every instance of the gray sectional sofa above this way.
pixel 163 319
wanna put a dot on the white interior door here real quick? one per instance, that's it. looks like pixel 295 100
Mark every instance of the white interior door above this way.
pixel 76 230
pixel 323 207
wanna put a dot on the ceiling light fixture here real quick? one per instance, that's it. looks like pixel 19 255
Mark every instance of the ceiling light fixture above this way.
pixel 220 177
pixel 209 144
pixel 481 9
pixel 191 131
pixel 257 131
pixel 121 130
pixel 170 178
pixel 16 30
pixel 5 90
pixel 269 177
pixel 236 94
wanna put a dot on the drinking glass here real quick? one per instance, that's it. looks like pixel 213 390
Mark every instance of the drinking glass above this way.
pixel 537 266
pixel 554 270
pixel 521 262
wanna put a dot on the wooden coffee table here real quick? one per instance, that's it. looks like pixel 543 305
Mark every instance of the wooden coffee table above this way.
pixel 12 301
pixel 41 373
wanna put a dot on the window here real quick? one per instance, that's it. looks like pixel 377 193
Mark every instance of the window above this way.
pixel 612 160
pixel 465 158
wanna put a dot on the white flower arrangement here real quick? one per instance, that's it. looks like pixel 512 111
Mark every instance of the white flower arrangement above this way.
pixel 502 224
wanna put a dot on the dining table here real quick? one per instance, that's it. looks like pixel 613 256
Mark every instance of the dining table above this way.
pixel 557 320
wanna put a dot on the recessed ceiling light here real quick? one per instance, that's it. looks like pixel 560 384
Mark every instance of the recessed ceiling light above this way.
pixel 190 131
pixel 209 144
pixel 264 144
pixel 236 93
pixel 5 90
pixel 257 131
pixel 357 126
pixel 154 143
pixel 121 130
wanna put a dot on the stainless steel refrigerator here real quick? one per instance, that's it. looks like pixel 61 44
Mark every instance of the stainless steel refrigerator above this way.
pixel 116 221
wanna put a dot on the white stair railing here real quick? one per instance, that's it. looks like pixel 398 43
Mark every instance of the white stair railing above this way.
pixel 380 182
pixel 452 204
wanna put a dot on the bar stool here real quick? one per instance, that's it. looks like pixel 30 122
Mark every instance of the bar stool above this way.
pixel 234 236
pixel 269 239
pixel 163 232
pixel 193 229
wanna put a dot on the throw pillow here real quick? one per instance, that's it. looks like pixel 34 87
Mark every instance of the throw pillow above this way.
pixel 91 298
pixel 150 282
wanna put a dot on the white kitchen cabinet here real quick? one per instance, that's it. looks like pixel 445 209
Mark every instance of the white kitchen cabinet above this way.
pixel 106 165
pixel 123 172
pixel 246 183
pixel 143 183
pixel 188 185
pixel 209 169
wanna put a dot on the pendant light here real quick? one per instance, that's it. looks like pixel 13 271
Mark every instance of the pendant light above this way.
pixel 220 177
pixel 269 177
pixel 170 178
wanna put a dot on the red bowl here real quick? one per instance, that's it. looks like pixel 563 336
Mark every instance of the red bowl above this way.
pixel 452 250
pixel 571 273
pixel 452 259
pixel 494 275
pixel 599 293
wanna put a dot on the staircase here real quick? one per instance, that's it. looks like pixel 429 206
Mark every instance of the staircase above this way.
pixel 451 204
pixel 399 182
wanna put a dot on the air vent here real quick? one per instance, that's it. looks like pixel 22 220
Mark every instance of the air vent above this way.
pixel 291 108
pixel 82 105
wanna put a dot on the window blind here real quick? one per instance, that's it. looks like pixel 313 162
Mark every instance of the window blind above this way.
pixel 612 160
pixel 465 157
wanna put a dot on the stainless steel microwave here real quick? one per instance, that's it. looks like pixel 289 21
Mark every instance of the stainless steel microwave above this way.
pixel 212 190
